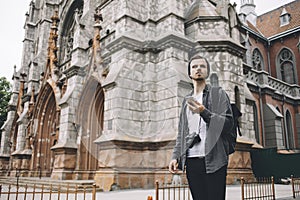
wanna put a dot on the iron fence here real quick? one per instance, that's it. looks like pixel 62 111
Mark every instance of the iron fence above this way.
pixel 295 186
pixel 262 188
pixel 48 192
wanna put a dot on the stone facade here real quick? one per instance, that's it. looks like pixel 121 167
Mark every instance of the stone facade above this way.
pixel 99 98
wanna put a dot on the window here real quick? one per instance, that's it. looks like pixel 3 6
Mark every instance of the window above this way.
pixel 257 60
pixel 247 2
pixel 289 131
pixel 283 20
pixel 285 17
pixel 256 127
pixel 282 142
pixel 214 80
pixel 237 97
pixel 70 26
pixel 286 66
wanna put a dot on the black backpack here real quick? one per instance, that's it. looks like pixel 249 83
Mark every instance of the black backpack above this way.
pixel 236 128
pixel 232 135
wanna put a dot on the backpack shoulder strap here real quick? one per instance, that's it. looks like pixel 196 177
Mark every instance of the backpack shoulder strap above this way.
pixel 214 95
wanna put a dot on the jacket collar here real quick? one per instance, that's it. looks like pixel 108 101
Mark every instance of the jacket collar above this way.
pixel 205 90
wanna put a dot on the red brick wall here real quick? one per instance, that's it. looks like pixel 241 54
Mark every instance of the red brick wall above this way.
pixel 276 46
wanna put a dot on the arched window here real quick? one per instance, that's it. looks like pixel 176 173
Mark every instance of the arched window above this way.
pixel 289 130
pixel 283 141
pixel 70 24
pixel 257 60
pixel 256 128
pixel 237 97
pixel 214 80
pixel 286 66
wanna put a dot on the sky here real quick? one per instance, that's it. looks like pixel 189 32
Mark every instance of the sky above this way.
pixel 12 19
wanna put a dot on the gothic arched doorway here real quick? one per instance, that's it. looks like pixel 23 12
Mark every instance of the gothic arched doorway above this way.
pixel 45 132
pixel 90 123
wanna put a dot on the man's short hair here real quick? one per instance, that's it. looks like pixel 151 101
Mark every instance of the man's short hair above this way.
pixel 198 57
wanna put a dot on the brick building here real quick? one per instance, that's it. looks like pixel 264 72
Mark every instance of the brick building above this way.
pixel 272 41
pixel 100 86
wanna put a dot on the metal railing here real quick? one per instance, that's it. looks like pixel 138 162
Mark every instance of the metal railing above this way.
pixel 171 192
pixel 262 188
pixel 55 192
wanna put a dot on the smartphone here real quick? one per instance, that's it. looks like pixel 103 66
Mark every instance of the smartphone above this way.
pixel 190 98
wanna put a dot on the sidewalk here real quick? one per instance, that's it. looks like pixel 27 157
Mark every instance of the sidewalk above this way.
pixel 282 192
pixel 233 192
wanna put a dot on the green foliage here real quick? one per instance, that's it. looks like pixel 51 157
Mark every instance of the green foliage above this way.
pixel 5 94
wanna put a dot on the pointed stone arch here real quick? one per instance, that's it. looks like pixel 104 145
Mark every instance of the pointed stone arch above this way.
pixel 45 131
pixel 89 121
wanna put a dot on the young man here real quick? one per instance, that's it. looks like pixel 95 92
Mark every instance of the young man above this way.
pixel 201 144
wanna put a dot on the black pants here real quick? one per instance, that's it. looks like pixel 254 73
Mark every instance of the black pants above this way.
pixel 205 186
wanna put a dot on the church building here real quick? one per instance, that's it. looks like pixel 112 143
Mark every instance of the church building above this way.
pixel 101 82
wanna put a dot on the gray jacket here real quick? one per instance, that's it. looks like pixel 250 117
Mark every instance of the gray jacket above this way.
pixel 219 121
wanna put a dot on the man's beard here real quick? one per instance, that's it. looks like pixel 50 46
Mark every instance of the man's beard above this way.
pixel 199 79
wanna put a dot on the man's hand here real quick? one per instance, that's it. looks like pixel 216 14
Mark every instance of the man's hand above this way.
pixel 173 166
pixel 195 106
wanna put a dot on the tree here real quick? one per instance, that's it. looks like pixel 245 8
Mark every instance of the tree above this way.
pixel 5 94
